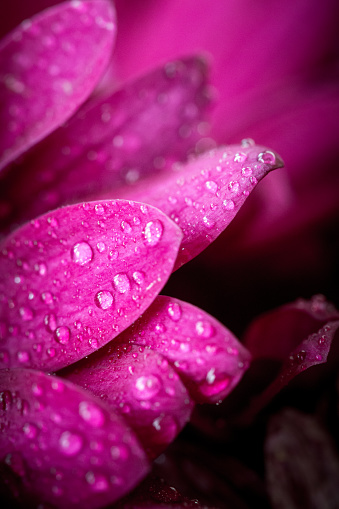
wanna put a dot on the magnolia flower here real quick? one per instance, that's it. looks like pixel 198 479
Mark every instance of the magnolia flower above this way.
pixel 74 279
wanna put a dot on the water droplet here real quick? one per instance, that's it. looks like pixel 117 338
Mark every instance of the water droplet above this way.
pixel 50 322
pixel 126 227
pixel 37 389
pixel 99 209
pixel 174 311
pixel 119 452
pixel 41 268
pixel 267 157
pixel 70 443
pixel 216 387
pixel 153 232
pixel 228 204
pixel 82 253
pixel 204 329
pixel 113 255
pixel 23 357
pixel 30 430
pixel 211 186
pixel 121 283
pixel 92 414
pixel 26 314
pixel 139 277
pixel 246 171
pixel 51 352
pixel 101 247
pixel 6 400
pixel 47 297
pixel 247 142
pixel 146 387
pixel 98 482
pixel 166 427
pixel 104 299
pixel 234 187
pixel 62 335
pixel 240 157
pixel 93 343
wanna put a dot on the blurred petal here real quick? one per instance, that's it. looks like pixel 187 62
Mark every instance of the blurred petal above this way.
pixel 61 445
pixel 207 356
pixel 143 128
pixel 276 333
pixel 72 280
pixel 140 385
pixel 301 463
pixel 49 66
pixel 204 195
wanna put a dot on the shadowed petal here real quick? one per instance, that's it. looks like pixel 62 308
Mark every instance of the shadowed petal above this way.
pixel 49 66
pixel 207 356
pixel 72 280
pixel 143 128
pixel 62 446
pixel 141 385
pixel 204 195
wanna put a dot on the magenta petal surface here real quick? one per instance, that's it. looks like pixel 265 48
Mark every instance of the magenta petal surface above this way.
pixel 204 195
pixel 73 279
pixel 142 386
pixel 143 128
pixel 59 445
pixel 207 356
pixel 49 65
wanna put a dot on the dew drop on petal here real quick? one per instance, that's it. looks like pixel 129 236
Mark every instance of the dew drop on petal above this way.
pixel 50 322
pixel 267 157
pixel 62 335
pixel 214 387
pixel 82 253
pixel 211 186
pixel 92 414
pixel 98 482
pixel 104 299
pixel 153 232
pixel 26 314
pixel 121 283
pixel 30 430
pixel 146 387
pixel 247 142
pixel 70 443
pixel 139 277
pixel 228 204
pixel 174 311
pixel 23 357
pixel 101 247
pixel 204 329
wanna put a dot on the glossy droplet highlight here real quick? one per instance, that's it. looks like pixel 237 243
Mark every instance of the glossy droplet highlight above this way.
pixel 121 283
pixel 82 253
pixel 30 430
pixel 153 232
pixel 70 443
pixel 104 299
pixel 146 387
pixel 211 186
pixel 26 314
pixel 174 311
pixel 204 329
pixel 91 414
pixel 62 335
pixel 267 157
pixel 98 482
pixel 139 277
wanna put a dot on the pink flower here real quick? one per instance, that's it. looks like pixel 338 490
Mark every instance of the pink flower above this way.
pixel 77 277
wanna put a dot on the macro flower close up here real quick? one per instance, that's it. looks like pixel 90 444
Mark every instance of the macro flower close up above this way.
pixel 114 174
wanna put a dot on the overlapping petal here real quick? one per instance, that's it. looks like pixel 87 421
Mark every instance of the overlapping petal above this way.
pixel 204 196
pixel 63 447
pixel 75 278
pixel 49 66
pixel 143 128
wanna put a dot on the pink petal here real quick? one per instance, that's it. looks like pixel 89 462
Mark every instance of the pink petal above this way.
pixel 49 66
pixel 140 385
pixel 204 196
pixel 63 447
pixel 207 356
pixel 72 280
pixel 276 333
pixel 143 128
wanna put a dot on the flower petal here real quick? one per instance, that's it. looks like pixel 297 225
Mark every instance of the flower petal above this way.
pixel 141 385
pixel 207 356
pixel 72 280
pixel 204 196
pixel 275 334
pixel 62 446
pixel 49 66
pixel 143 128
